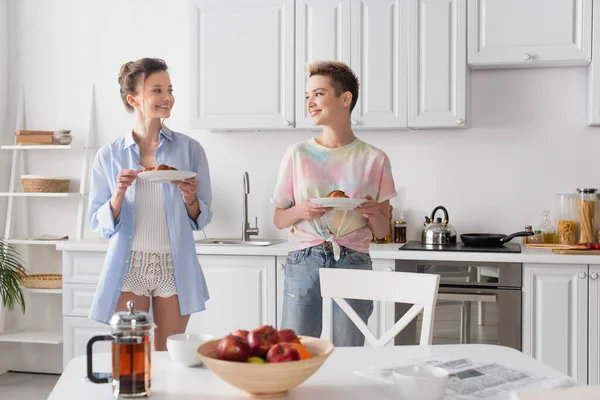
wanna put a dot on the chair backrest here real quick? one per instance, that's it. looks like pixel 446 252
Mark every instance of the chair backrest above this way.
pixel 399 287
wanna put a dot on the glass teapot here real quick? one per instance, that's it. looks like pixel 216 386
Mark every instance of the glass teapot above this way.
pixel 131 334
pixel 438 231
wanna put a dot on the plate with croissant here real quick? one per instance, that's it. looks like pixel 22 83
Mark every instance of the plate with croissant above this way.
pixel 164 174
pixel 338 200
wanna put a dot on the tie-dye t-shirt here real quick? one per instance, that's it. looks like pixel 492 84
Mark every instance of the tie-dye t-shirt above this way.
pixel 309 170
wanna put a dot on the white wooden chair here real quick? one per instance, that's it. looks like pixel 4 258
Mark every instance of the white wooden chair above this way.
pixel 399 287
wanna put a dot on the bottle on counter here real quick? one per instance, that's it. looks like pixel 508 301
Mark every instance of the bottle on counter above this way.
pixel 547 229
pixel 528 228
pixel 566 227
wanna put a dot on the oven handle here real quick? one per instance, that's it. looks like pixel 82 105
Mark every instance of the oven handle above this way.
pixel 466 296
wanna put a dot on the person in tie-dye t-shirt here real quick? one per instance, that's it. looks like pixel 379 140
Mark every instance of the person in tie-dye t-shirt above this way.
pixel 323 237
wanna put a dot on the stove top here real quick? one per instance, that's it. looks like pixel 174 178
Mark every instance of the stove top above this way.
pixel 506 248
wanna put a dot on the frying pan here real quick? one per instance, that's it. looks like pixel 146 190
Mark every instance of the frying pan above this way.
pixel 490 239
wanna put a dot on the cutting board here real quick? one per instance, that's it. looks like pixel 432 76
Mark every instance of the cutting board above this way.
pixel 579 252
pixel 554 246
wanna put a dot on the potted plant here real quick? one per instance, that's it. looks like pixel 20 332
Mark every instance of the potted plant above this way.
pixel 11 275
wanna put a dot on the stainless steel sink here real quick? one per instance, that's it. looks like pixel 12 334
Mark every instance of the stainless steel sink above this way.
pixel 238 242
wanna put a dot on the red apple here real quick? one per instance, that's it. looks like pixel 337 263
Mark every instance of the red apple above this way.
pixel 282 352
pixel 233 348
pixel 240 333
pixel 288 336
pixel 261 339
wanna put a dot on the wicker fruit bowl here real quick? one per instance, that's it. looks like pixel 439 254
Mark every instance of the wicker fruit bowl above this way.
pixel 267 380
pixel 42 281
pixel 44 184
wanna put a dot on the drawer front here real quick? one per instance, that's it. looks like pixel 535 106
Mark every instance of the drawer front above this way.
pixel 77 299
pixel 82 266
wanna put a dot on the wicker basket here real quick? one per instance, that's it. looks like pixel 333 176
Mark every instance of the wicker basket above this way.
pixel 42 281
pixel 37 184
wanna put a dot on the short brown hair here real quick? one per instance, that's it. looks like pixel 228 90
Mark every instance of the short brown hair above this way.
pixel 341 75
pixel 132 72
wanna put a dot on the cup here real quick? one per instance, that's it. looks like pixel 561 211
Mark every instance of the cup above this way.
pixel 416 382
pixel 182 348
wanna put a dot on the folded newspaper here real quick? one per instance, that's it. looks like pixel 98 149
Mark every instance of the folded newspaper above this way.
pixel 470 381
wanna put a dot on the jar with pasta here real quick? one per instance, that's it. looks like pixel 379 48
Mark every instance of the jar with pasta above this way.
pixel 586 208
pixel 567 217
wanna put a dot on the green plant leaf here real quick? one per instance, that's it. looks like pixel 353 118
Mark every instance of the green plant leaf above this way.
pixel 11 277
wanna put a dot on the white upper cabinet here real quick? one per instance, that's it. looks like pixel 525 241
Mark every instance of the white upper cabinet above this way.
pixel 529 33
pixel 248 61
pixel 242 64
pixel 437 63
pixel 378 57
pixel 322 33
pixel 594 75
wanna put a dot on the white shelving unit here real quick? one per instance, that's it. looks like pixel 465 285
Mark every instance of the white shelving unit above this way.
pixel 39 335
pixel 17 151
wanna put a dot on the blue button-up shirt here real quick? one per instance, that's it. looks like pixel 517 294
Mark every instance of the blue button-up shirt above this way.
pixel 176 150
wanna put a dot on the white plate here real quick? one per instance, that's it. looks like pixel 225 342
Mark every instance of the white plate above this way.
pixel 166 176
pixel 338 203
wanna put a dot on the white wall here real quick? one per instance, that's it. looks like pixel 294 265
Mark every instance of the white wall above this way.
pixel 527 141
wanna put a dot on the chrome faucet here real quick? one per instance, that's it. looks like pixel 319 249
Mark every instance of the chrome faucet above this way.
pixel 247 231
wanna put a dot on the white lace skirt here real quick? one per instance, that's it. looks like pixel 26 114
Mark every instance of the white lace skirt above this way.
pixel 150 274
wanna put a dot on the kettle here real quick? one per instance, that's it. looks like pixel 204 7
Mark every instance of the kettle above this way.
pixel 438 231
pixel 131 333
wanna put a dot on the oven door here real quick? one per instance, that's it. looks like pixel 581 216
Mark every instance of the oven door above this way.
pixel 469 310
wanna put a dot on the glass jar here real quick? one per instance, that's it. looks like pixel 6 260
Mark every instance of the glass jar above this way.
pixel 586 208
pixel 567 216
pixel 528 228
pixel 547 228
pixel 399 231
pixel 537 237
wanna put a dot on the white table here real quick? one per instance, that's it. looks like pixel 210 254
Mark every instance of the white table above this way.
pixel 335 380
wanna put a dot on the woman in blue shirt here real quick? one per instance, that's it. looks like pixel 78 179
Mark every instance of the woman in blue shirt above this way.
pixel 151 250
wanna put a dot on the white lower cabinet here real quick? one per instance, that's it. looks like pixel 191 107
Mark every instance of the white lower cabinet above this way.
pixel 555 317
pixel 594 326
pixel 77 331
pixel 242 294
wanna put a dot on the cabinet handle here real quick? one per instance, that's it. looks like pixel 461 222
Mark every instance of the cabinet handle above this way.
pixel 459 121
pixel 280 266
pixel 389 269
pixel 594 275
pixel 582 275
pixel 286 123
pixel 527 56
pixel 354 122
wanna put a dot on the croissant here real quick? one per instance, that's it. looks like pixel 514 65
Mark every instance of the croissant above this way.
pixel 161 167
pixel 337 194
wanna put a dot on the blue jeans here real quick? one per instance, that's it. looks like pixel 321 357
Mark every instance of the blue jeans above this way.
pixel 302 301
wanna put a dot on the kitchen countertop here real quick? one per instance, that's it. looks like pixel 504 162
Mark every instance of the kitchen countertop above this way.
pixel 388 251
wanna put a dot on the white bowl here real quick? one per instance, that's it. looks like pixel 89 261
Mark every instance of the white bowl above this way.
pixel 182 348
pixel 415 382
